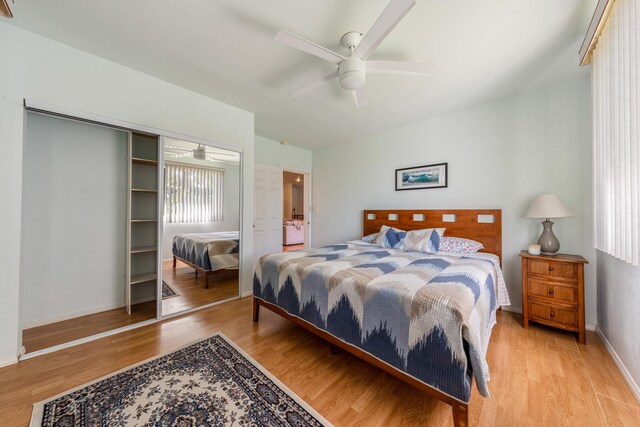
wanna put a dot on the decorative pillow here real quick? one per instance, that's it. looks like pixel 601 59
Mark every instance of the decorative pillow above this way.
pixel 371 238
pixel 390 237
pixel 425 240
pixel 459 245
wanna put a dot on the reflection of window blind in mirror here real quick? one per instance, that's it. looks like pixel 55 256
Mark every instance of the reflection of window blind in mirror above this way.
pixel 193 194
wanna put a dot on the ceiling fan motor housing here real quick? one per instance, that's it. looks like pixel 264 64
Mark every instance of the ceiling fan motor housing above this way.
pixel 352 73
pixel 200 153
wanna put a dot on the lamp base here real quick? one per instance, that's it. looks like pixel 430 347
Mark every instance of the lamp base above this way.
pixel 548 242
pixel 548 253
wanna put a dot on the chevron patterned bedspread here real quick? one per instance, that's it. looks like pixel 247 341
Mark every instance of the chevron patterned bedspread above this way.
pixel 428 315
pixel 209 251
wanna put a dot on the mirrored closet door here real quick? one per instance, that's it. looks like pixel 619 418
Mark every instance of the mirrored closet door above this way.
pixel 201 223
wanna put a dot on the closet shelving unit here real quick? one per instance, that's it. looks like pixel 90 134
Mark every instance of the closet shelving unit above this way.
pixel 142 216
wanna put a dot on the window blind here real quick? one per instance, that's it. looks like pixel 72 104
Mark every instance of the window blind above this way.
pixel 193 194
pixel 616 121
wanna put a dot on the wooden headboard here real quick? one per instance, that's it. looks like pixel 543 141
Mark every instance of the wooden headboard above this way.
pixel 482 225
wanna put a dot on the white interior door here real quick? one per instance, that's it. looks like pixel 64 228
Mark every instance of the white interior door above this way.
pixel 267 217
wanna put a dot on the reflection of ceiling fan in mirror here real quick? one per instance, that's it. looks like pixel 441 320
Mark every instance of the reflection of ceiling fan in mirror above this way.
pixel 202 152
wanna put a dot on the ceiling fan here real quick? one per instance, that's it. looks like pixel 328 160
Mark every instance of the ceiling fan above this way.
pixel 352 69
pixel 199 153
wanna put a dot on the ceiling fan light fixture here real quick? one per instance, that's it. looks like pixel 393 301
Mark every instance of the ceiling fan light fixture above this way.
pixel 200 153
pixel 352 73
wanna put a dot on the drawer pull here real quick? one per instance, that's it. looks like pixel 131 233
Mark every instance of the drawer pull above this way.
pixel 550 268
pixel 551 291
pixel 553 313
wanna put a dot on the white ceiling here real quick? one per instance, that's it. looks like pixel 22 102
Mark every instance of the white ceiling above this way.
pixel 484 50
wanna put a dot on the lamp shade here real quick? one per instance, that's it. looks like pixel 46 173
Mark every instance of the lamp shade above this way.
pixel 548 206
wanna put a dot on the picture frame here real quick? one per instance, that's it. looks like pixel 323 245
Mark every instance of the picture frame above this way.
pixel 422 177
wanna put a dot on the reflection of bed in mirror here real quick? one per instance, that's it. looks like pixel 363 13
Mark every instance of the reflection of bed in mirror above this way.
pixel 207 253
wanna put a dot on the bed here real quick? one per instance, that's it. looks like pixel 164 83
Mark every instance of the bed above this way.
pixel 424 318
pixel 207 253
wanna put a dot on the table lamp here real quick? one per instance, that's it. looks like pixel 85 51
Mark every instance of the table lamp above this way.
pixel 548 206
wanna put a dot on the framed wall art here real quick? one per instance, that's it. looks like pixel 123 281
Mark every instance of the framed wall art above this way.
pixel 421 177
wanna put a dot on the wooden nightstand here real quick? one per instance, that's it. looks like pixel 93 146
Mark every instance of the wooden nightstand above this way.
pixel 553 291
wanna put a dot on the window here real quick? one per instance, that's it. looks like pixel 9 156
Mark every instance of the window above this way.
pixel 615 82
pixel 193 193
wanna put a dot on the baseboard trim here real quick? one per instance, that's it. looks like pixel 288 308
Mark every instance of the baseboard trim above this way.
pixel 246 294
pixel 512 309
pixel 7 360
pixel 635 389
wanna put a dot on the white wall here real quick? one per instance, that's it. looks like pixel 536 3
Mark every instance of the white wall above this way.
pixel 297 199
pixel 38 68
pixel 618 313
pixel 273 153
pixel 231 210
pixel 500 155
pixel 287 200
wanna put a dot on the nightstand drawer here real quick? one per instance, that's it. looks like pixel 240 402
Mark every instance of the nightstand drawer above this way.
pixel 560 316
pixel 554 269
pixel 565 293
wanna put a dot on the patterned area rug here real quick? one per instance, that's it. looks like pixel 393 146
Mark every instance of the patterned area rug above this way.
pixel 208 383
pixel 168 291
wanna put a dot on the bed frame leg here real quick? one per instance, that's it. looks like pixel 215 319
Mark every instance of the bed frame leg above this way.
pixel 174 262
pixel 256 310
pixel 460 414
pixel 206 281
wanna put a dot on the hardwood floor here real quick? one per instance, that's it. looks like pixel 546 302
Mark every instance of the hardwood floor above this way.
pixel 81 327
pixel 292 247
pixel 222 285
pixel 539 376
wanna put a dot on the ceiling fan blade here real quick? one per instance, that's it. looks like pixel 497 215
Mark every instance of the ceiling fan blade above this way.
pixel 314 85
pixel 304 45
pixel 393 13
pixel 398 67
pixel 360 97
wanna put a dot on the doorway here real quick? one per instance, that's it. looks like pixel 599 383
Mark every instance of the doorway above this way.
pixel 294 228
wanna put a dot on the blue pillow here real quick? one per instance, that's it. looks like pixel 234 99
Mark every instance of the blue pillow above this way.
pixel 390 237
pixel 425 240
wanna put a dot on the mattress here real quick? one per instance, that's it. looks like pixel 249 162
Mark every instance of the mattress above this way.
pixel 427 315
pixel 209 251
